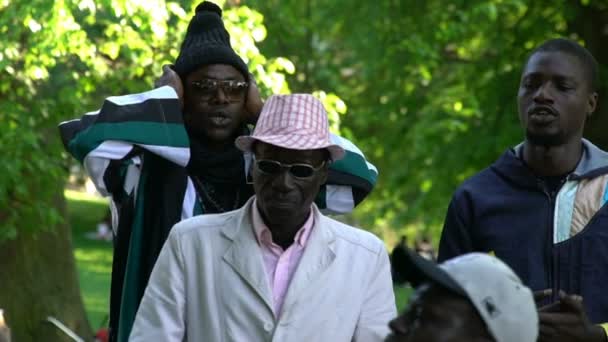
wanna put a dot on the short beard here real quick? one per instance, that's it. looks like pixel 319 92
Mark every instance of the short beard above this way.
pixel 546 140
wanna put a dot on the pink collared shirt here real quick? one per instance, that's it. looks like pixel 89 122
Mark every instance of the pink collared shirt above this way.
pixel 280 264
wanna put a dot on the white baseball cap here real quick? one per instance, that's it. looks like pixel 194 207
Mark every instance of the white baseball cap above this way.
pixel 506 305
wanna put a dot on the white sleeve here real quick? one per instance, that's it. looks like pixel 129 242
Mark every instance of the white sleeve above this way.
pixel 379 304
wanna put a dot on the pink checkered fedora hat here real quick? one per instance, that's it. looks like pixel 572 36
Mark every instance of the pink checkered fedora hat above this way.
pixel 296 122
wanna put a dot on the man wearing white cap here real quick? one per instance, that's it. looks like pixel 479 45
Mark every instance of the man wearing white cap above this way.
pixel 473 297
pixel 276 269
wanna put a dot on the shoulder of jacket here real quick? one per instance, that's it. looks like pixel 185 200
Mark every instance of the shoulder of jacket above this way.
pixel 203 224
pixel 478 182
pixel 355 236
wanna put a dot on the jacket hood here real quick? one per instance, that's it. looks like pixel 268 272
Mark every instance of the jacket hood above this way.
pixel 593 163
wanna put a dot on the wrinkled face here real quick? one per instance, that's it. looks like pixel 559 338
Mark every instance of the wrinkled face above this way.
pixel 286 195
pixel 554 99
pixel 214 107
pixel 436 315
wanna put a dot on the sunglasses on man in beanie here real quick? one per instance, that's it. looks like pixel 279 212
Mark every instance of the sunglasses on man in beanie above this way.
pixel 233 90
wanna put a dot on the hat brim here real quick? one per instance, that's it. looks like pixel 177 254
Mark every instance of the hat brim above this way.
pixel 245 143
pixel 418 270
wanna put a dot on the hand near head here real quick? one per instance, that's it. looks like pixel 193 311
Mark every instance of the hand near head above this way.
pixel 566 321
pixel 253 102
pixel 542 297
pixel 171 78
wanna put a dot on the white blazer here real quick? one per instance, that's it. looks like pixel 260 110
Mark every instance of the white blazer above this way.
pixel 210 284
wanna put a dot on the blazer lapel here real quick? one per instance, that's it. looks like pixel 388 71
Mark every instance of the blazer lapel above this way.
pixel 318 256
pixel 245 256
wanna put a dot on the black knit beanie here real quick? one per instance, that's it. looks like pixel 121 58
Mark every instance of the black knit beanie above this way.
pixel 207 42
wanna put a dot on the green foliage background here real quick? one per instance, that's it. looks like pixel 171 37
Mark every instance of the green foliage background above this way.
pixel 60 59
pixel 430 86
pixel 425 88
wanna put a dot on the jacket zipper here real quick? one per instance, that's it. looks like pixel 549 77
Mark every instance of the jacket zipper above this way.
pixel 552 253
pixel 550 258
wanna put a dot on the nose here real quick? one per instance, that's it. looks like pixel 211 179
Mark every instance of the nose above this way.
pixel 283 181
pixel 220 97
pixel 543 94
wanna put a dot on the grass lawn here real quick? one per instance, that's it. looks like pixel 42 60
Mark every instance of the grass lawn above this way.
pixel 94 258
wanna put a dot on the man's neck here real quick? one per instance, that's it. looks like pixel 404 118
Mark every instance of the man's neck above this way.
pixel 283 234
pixel 214 146
pixel 552 160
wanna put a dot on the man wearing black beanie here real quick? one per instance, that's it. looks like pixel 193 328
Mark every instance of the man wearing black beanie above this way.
pixel 168 154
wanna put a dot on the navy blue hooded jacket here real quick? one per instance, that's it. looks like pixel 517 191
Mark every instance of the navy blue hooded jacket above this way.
pixel 553 240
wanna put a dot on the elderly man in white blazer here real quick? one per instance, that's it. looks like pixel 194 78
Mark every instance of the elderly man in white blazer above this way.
pixel 276 269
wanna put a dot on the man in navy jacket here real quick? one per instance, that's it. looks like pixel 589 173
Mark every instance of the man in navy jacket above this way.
pixel 541 207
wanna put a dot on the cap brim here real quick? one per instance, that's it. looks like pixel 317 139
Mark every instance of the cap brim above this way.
pixel 245 142
pixel 418 270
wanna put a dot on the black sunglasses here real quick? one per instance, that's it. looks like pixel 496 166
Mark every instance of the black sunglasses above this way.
pixel 273 167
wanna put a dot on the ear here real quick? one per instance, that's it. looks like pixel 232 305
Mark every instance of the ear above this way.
pixel 592 103
pixel 323 173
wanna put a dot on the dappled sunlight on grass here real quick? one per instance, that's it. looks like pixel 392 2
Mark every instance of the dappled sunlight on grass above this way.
pixel 93 257
pixel 72 195
pixel 97 308
pixel 92 267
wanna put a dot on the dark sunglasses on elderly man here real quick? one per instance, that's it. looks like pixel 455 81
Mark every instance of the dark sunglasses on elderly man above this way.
pixel 233 90
pixel 273 167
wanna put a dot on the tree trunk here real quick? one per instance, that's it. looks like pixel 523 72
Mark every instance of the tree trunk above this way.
pixel 591 24
pixel 38 279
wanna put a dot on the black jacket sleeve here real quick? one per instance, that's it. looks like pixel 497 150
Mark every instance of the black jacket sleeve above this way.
pixel 456 237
